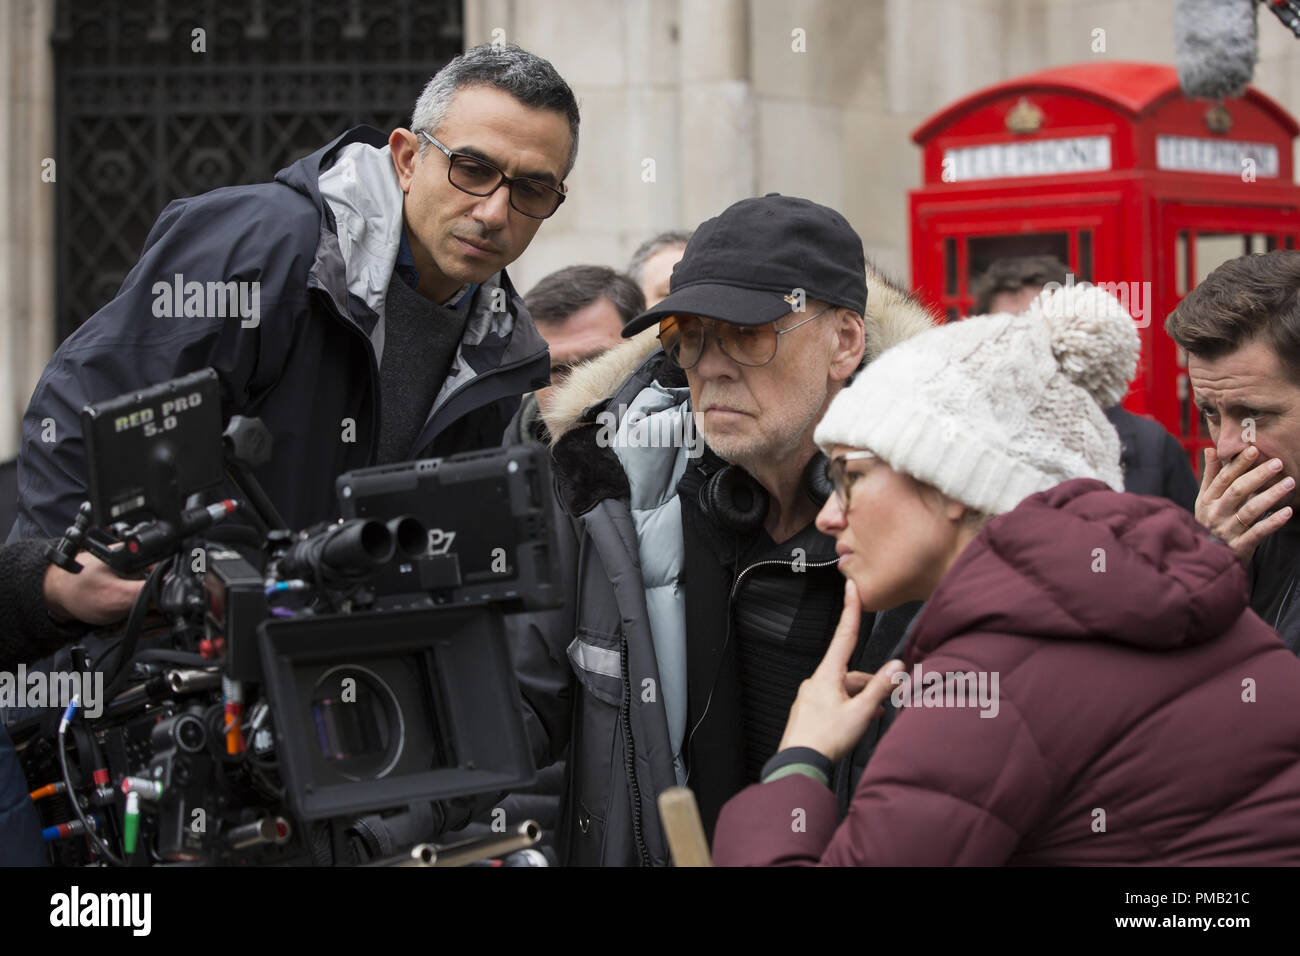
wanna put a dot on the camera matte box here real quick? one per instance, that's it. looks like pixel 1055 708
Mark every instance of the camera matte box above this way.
pixel 490 520
pixel 136 443
pixel 458 728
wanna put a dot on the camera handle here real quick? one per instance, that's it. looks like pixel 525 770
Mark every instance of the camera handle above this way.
pixel 63 552
pixel 247 443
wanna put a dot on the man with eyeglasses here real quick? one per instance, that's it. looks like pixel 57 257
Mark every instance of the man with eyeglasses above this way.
pixel 701 593
pixel 361 308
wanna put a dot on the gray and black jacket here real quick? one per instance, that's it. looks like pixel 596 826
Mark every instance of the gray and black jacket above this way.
pixel 606 675
pixel 321 241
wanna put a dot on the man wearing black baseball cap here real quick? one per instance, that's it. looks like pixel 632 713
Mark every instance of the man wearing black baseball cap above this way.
pixel 700 594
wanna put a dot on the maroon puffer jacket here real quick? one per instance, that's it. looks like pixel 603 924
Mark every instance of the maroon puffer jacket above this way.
pixel 1145 714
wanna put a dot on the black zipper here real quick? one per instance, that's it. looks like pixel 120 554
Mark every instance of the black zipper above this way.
pixel 758 564
pixel 351 325
pixel 629 760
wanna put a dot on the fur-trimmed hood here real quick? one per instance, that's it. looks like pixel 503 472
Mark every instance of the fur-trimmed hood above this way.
pixel 893 314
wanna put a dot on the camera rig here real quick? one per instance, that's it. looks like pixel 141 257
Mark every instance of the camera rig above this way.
pixel 269 687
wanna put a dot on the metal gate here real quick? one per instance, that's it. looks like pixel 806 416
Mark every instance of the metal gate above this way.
pixel 159 100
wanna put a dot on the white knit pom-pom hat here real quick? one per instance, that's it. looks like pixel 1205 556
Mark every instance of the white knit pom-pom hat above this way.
pixel 994 408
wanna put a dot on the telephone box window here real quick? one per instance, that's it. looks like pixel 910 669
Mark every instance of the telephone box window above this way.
pixel 984 250
pixel 1085 255
pixel 1214 249
pixel 1181 249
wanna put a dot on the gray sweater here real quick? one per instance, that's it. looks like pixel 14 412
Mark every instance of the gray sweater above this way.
pixel 420 341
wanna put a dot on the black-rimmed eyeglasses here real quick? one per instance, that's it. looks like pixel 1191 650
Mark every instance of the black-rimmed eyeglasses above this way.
pixel 478 177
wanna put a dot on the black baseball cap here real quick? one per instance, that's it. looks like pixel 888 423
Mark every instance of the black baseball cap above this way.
pixel 747 265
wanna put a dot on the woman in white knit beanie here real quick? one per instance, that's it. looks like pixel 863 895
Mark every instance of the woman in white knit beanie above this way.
pixel 1071 692
pixel 969 419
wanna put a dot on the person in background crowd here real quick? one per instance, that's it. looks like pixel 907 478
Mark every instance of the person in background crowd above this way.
pixel 1012 283
pixel 376 264
pixel 1241 330
pixel 700 593
pixel 1153 461
pixel 1085 683
pixel 652 264
pixel 580 311
pixel 43 607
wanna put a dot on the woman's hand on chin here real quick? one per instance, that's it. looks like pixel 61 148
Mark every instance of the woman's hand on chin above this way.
pixel 835 705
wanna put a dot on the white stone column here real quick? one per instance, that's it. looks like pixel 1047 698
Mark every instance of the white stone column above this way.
pixel 27 203
pixel 482 17
pixel 635 169
pixel 719 144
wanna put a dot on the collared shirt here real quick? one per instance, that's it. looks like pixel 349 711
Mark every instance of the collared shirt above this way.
pixel 405 268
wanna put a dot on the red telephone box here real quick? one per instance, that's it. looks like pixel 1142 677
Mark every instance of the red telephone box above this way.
pixel 1112 169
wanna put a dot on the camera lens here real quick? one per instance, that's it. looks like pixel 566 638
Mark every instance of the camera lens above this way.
pixel 409 534
pixel 358 721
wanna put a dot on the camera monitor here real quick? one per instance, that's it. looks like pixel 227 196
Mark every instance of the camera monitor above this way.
pixel 489 520
pixel 148 450
pixel 381 710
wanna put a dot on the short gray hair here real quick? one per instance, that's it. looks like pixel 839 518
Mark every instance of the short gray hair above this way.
pixel 665 240
pixel 556 297
pixel 534 82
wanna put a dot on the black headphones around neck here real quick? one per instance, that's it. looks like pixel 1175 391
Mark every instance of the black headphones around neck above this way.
pixel 732 499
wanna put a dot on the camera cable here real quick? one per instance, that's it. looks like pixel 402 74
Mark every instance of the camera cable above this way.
pixel 90 830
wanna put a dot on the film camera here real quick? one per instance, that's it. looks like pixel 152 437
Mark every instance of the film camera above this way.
pixel 271 687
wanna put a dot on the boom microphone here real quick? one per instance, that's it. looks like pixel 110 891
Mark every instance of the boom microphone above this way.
pixel 1288 11
pixel 1215 46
